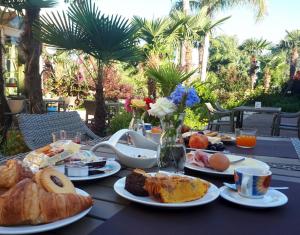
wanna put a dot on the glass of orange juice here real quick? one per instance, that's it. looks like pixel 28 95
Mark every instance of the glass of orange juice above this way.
pixel 246 138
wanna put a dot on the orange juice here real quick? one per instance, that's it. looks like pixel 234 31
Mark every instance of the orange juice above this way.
pixel 246 141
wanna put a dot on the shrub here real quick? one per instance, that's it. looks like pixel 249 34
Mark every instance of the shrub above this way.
pixel 120 121
pixel 14 144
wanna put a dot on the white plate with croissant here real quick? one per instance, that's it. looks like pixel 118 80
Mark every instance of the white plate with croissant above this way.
pixel 37 203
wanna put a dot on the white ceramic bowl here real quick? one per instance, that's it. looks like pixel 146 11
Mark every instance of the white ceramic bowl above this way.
pixel 141 154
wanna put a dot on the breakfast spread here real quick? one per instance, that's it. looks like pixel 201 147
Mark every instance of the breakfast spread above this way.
pixel 34 199
pixel 166 188
pixel 217 161
pixel 50 154
pixel 66 157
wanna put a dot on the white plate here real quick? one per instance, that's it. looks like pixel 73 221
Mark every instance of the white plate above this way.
pixel 212 194
pixel 114 168
pixel 249 162
pixel 272 198
pixel 29 229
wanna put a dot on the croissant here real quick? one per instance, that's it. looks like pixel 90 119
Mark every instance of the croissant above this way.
pixel 28 203
pixel 12 173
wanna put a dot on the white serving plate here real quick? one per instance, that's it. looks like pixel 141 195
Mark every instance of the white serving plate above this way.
pixel 29 229
pixel 273 198
pixel 110 164
pixel 249 162
pixel 211 195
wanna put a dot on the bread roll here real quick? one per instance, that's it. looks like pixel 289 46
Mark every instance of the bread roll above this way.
pixel 219 162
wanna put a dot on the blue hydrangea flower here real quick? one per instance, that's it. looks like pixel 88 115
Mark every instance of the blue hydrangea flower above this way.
pixel 192 97
pixel 177 94
pixel 189 94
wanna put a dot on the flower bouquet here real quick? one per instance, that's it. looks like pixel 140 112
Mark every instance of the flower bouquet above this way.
pixel 170 111
pixel 137 107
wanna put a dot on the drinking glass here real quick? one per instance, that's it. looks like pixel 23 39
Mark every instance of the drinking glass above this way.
pixel 246 138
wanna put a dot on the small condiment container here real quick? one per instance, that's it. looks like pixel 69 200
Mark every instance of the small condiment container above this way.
pixel 77 170
pixel 60 168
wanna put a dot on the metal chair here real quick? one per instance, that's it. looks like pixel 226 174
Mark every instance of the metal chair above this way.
pixel 278 123
pixel 37 129
pixel 216 118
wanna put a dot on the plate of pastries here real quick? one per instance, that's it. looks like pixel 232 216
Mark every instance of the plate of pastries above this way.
pixel 34 203
pixel 163 189
pixel 219 163
pixel 67 158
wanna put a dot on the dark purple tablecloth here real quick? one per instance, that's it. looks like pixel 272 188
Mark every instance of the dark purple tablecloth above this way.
pixel 283 149
pixel 218 217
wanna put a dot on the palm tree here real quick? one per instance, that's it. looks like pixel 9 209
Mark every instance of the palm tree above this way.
pixel 158 37
pixel 213 7
pixel 254 47
pixel 269 62
pixel 106 38
pixel 291 44
pixel 31 47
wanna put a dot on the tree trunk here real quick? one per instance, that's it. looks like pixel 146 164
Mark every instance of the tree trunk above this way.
pixel 188 57
pixel 5 121
pixel 186 7
pixel 205 58
pixel 253 71
pixel 200 59
pixel 186 49
pixel 267 79
pixel 32 49
pixel 100 114
pixel 293 62
pixel 151 83
pixel 182 54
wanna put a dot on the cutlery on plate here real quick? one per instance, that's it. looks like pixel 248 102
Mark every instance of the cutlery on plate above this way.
pixel 236 161
pixel 233 187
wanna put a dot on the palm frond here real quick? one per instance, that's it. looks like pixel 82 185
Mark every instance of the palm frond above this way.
pixel 59 30
pixel 168 76
pixel 254 46
pixel 19 5
pixel 112 37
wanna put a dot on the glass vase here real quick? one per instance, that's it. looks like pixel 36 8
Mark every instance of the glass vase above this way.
pixel 171 150
pixel 137 122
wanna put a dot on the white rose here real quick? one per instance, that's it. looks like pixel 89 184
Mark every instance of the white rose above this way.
pixel 162 107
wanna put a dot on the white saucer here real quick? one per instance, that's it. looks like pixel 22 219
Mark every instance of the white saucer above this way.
pixel 273 198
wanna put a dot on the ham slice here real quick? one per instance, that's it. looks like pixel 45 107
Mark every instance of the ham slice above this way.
pixel 198 158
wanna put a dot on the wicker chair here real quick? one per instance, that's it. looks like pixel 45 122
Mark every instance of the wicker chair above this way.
pixel 90 109
pixel 278 123
pixel 37 129
pixel 216 118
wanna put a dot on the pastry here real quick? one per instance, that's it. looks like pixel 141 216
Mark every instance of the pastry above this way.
pixel 54 181
pixel 219 162
pixel 13 172
pixel 135 182
pixel 28 203
pixel 212 134
pixel 174 189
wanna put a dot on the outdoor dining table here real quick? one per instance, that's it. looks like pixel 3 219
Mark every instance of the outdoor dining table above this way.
pixel 112 214
pixel 241 109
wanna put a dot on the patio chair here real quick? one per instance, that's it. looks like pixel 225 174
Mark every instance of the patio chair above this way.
pixel 217 118
pixel 280 124
pixel 37 129
pixel 90 109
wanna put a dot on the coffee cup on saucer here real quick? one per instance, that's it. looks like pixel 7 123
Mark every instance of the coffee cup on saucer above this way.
pixel 252 182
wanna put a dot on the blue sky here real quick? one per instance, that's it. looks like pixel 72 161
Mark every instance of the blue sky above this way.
pixel 282 15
